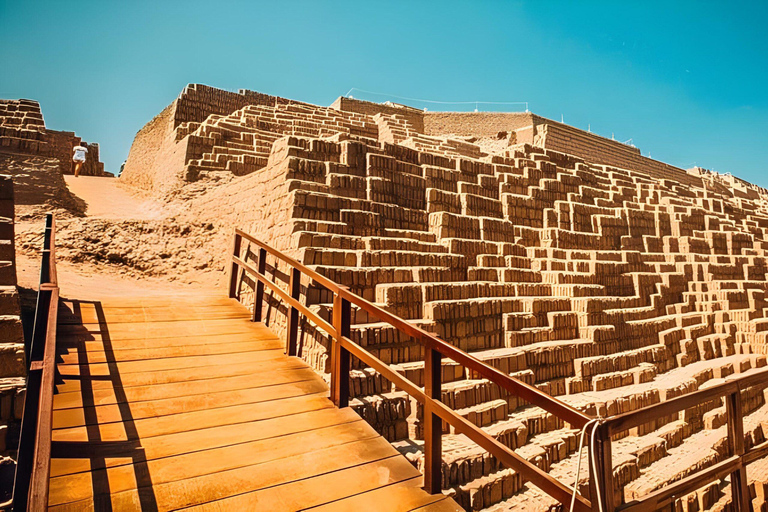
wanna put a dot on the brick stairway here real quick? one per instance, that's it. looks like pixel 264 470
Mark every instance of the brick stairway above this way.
pixel 605 287
pixel 609 288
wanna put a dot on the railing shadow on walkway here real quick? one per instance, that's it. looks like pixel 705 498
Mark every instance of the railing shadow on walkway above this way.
pixel 96 449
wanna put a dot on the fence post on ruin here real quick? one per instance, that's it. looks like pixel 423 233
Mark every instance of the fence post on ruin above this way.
pixel 258 298
pixel 433 425
pixel 293 313
pixel 601 484
pixel 342 321
pixel 233 271
pixel 739 490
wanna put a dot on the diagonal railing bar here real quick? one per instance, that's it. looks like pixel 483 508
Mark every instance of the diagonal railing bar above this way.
pixel 734 466
pixel 342 347
pixel 30 489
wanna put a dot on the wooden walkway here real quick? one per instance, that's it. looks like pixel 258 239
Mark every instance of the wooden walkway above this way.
pixel 183 403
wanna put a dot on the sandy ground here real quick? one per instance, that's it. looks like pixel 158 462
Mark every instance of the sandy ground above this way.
pixel 87 281
pixel 107 198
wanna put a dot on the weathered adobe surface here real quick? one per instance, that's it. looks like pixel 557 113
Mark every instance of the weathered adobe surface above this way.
pixel 23 132
pixel 611 288
pixel 12 359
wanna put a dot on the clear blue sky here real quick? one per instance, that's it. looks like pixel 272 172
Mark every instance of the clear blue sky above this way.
pixel 686 82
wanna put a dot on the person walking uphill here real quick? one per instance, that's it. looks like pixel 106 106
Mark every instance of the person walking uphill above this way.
pixel 79 158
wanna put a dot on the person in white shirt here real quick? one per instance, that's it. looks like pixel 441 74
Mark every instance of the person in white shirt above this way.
pixel 79 157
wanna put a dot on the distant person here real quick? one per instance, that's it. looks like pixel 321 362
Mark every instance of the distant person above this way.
pixel 79 157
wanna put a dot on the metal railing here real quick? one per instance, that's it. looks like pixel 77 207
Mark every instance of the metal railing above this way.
pixel 734 465
pixel 30 489
pixel 342 347
pixel 601 481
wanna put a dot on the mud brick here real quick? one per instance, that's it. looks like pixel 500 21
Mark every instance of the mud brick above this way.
pixel 566 259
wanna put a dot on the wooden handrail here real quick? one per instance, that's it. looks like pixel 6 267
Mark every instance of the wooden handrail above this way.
pixel 30 490
pixel 434 410
pixel 635 418
pixel 525 391
pixel 735 465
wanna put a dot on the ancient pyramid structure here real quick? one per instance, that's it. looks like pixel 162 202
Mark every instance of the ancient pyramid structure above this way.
pixel 570 261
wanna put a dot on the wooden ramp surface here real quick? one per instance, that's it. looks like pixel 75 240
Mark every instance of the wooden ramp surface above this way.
pixel 183 403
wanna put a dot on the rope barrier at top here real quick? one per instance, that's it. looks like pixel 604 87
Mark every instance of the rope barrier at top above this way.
pixel 437 101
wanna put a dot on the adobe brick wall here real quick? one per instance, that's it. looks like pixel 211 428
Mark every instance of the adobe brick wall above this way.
pixel 475 124
pixel 180 144
pixel 197 101
pixel 22 129
pixel 23 132
pixel 414 116
pixel 62 143
pixel 12 359
pixel 612 287
pixel 594 148
pixel 143 168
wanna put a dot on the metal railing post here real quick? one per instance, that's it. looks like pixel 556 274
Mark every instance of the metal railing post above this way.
pixel 433 425
pixel 739 484
pixel 293 313
pixel 258 298
pixel 342 316
pixel 233 275
pixel 602 483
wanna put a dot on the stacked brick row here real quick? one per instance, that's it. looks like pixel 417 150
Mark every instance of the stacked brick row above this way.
pixel 241 142
pixel 613 289
pixel 197 101
pixel 591 147
pixel 23 131
pixel 12 360
pixel 590 266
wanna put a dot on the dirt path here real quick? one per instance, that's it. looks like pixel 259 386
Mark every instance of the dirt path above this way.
pixel 124 220
pixel 99 282
pixel 107 198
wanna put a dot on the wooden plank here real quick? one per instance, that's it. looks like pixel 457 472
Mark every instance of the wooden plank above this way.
pixel 667 494
pixel 101 389
pixel 735 420
pixel 628 420
pixel 192 464
pixel 79 416
pixel 446 505
pixel 397 497
pixel 96 344
pixel 189 300
pixel 756 453
pixel 197 374
pixel 320 489
pixel 93 315
pixel 161 425
pixel 39 481
pixel 207 488
pixel 167 363
pixel 140 330
pixel 72 355
pixel 179 443
pixel 160 302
